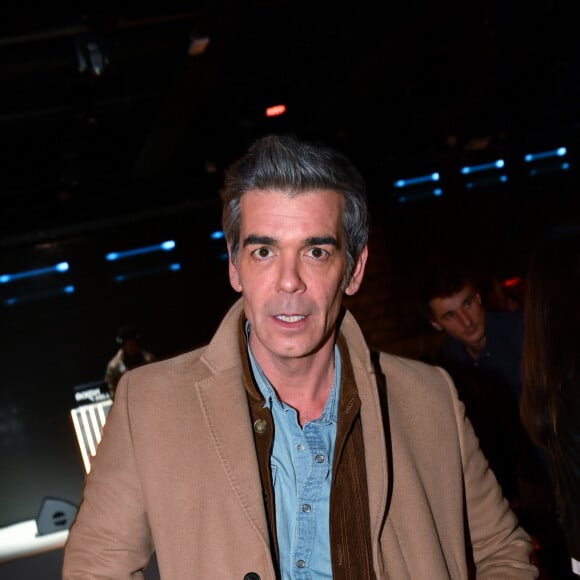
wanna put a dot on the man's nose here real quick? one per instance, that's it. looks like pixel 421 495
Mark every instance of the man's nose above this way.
pixel 290 279
pixel 465 318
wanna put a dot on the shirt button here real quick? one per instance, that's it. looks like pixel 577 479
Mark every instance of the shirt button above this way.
pixel 319 458
pixel 306 508
pixel 301 564
pixel 300 447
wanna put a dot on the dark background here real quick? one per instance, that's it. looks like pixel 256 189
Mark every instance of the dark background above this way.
pixel 113 136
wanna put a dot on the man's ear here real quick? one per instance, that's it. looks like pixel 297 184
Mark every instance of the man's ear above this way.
pixel 358 273
pixel 235 281
pixel 436 326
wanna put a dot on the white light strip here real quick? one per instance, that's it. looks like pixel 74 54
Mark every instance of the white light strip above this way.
pixel 22 540
pixel 88 421
pixel 78 431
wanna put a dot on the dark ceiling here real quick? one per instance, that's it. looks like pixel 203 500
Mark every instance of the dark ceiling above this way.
pixel 105 111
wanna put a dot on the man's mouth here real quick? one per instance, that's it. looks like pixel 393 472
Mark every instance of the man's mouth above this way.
pixel 290 318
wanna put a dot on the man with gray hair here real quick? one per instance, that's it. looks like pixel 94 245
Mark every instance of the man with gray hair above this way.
pixel 286 448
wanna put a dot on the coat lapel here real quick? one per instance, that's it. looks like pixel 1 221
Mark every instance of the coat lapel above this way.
pixel 227 416
pixel 373 394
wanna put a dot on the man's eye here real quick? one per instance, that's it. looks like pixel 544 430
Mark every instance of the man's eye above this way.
pixel 262 252
pixel 317 253
pixel 448 316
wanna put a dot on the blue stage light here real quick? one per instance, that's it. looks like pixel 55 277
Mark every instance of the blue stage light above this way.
pixel 60 268
pixel 420 195
pixel 400 183
pixel 174 267
pixel 559 152
pixel 549 169
pixel 467 169
pixel 164 246
pixel 487 181
pixel 41 295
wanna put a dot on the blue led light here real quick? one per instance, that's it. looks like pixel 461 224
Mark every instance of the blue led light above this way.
pixel 416 180
pixel 487 181
pixel 174 267
pixel 498 164
pixel 41 295
pixel 217 235
pixel 551 169
pixel 559 152
pixel 164 246
pixel 60 267
pixel 419 195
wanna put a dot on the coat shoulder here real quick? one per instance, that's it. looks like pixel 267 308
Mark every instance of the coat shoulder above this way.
pixel 412 381
pixel 187 366
pixel 411 370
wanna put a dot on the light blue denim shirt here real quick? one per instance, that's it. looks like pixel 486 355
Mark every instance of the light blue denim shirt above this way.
pixel 301 464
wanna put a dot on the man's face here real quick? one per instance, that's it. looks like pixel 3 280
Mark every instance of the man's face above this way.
pixel 461 316
pixel 290 268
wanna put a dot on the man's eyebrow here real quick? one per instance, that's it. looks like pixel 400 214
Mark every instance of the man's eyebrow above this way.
pixel 321 241
pixel 259 240
pixel 252 240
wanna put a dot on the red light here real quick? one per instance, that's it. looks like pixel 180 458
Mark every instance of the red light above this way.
pixel 510 282
pixel 275 111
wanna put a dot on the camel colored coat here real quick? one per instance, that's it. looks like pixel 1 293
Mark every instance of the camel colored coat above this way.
pixel 176 472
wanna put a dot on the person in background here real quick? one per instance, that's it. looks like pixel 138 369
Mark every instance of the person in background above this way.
pixel 286 448
pixel 482 350
pixel 550 402
pixel 130 355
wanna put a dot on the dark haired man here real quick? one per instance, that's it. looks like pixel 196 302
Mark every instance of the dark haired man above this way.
pixel 482 351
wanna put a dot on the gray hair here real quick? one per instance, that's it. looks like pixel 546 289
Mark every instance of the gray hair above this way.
pixel 287 164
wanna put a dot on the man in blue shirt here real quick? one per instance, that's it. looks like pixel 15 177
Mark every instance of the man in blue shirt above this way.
pixel 287 448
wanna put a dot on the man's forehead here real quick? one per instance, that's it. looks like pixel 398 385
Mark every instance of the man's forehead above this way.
pixel 321 207
pixel 441 304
